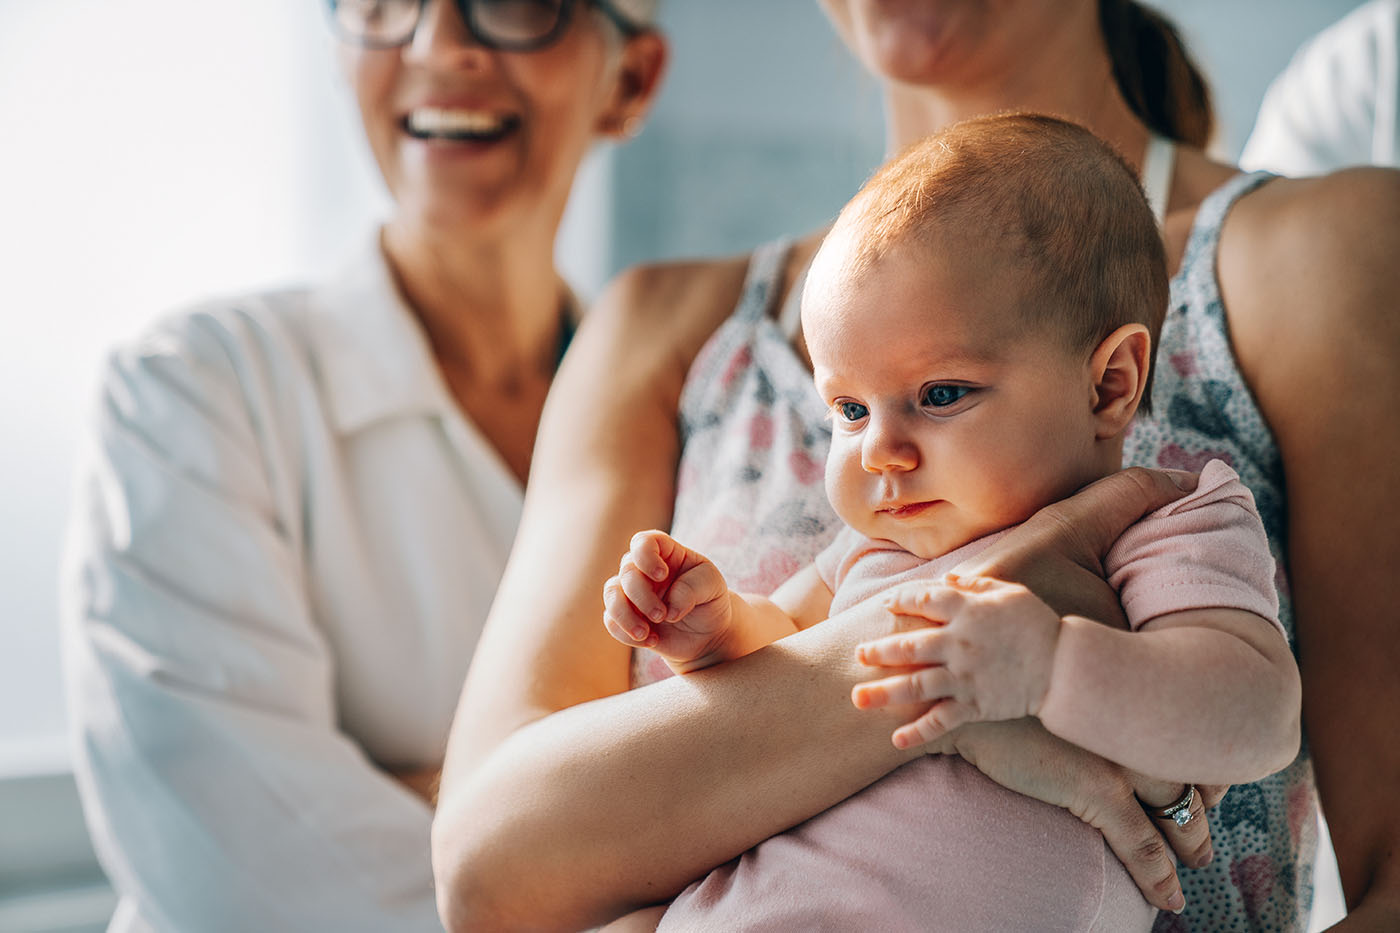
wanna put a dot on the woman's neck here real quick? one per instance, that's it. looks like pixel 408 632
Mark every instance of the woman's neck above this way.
pixel 491 313
pixel 1068 75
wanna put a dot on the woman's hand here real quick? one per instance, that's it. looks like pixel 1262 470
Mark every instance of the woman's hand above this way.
pixel 1021 755
pixel 1058 552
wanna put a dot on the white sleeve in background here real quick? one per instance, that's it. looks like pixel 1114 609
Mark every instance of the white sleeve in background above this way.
pixel 220 789
pixel 1335 104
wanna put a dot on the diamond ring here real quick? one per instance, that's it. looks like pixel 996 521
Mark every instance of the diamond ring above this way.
pixel 1179 810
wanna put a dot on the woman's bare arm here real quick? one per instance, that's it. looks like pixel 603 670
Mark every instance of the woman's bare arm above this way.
pixel 570 819
pixel 1312 280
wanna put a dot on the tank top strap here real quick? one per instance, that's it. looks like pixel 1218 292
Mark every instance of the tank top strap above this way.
pixel 1197 274
pixel 764 279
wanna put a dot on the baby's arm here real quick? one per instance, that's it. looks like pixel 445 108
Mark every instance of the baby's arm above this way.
pixel 1202 696
pixel 674 600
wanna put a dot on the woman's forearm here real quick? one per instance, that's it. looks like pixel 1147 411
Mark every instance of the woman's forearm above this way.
pixel 1212 705
pixel 622 801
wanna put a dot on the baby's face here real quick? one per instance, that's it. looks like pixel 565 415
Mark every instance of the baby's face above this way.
pixel 950 419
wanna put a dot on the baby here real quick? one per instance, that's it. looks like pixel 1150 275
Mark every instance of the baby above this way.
pixel 980 321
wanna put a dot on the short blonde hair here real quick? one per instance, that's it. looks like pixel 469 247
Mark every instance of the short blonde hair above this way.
pixel 1045 194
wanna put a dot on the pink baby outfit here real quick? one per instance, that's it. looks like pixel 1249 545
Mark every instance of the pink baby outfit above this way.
pixel 937 846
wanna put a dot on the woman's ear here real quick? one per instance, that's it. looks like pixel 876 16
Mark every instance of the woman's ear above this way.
pixel 1119 368
pixel 639 72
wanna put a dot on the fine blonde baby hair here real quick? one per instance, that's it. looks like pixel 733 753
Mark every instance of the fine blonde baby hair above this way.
pixel 1040 193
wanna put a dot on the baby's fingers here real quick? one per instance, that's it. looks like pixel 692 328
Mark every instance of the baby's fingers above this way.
pixel 621 618
pixel 921 686
pixel 648 551
pixel 943 718
pixel 700 584
pixel 640 590
pixel 922 646
pixel 934 602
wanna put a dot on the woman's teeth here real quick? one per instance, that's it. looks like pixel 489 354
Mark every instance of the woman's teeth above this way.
pixel 437 123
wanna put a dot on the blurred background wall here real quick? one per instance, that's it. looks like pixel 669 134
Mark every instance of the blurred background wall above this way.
pixel 156 151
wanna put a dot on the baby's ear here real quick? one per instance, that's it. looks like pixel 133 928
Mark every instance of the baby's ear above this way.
pixel 1119 368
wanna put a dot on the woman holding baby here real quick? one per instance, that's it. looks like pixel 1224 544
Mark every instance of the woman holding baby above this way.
pixel 1277 355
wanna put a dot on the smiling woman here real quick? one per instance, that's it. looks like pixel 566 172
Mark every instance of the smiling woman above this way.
pixel 265 625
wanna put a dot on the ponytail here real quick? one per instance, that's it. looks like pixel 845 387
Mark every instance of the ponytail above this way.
pixel 1155 74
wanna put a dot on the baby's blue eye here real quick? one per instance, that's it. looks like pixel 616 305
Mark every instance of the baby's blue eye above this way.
pixel 852 411
pixel 941 395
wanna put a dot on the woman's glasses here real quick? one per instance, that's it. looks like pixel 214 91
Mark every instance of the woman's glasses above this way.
pixel 508 25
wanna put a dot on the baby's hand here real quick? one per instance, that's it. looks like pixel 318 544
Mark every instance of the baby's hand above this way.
pixel 987 656
pixel 670 599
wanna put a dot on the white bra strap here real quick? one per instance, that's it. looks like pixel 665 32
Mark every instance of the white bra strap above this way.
pixel 1157 165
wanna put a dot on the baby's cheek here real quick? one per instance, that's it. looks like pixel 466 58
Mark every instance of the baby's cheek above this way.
pixel 844 478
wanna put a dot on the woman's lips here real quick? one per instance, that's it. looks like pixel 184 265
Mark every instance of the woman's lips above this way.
pixel 909 511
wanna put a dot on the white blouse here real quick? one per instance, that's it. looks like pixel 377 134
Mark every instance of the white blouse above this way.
pixel 285 542
pixel 1337 103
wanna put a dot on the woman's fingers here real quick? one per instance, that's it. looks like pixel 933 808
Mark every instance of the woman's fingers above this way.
pixel 1190 840
pixel 1140 847
pixel 1212 794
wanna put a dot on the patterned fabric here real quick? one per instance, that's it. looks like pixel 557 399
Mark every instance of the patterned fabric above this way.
pixel 750 496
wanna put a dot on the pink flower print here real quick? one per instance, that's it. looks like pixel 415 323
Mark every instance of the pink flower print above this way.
pixel 761 431
pixel 686 478
pixel 1183 363
pixel 805 467
pixel 723 531
pixel 648 667
pixel 1176 457
pixel 1300 811
pixel 1255 876
pixel 773 569
pixel 737 364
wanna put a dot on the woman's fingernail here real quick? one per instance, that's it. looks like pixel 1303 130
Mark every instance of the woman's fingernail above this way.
pixel 1183 480
pixel 1206 859
pixel 1176 903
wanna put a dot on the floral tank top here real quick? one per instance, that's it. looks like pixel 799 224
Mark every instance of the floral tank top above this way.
pixel 750 496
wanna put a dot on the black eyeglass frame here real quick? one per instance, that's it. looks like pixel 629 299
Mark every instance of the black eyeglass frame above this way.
pixel 627 27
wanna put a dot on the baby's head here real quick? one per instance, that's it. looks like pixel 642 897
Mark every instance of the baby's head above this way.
pixel 980 320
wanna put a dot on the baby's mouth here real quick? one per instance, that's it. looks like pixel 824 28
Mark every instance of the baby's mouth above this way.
pixel 907 511
pixel 458 125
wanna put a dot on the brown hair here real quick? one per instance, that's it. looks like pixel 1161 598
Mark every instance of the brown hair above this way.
pixel 1046 194
pixel 1155 74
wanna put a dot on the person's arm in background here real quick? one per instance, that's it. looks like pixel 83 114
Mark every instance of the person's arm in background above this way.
pixel 616 773
pixel 1335 104
pixel 1313 286
pixel 219 790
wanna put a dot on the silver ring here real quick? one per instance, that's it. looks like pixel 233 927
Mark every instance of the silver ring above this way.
pixel 1179 810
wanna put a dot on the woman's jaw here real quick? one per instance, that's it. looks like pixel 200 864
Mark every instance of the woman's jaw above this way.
pixel 941 61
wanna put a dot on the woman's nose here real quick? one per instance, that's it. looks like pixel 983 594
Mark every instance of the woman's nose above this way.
pixel 443 32
pixel 886 448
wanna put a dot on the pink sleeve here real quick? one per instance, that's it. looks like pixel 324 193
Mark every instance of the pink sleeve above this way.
pixel 1207 550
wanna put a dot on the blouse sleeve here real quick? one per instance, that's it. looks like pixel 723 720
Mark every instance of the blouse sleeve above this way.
pixel 1207 550
pixel 220 793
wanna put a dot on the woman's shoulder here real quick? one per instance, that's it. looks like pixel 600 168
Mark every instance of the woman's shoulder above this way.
pixel 1308 271
pixel 1313 257
pixel 213 357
